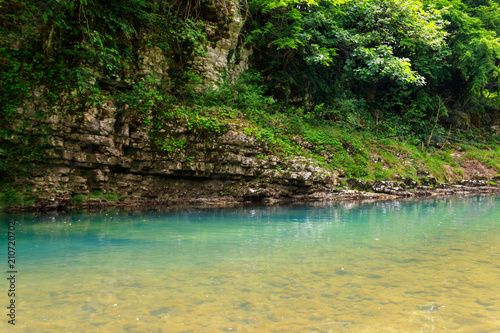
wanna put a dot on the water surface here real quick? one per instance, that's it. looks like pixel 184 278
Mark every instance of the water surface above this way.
pixel 412 266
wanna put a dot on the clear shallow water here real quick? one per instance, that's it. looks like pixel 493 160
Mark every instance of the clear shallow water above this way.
pixel 413 266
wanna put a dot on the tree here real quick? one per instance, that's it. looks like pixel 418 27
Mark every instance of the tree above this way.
pixel 373 42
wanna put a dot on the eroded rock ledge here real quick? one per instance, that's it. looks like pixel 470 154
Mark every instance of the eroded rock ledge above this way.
pixel 203 194
pixel 112 153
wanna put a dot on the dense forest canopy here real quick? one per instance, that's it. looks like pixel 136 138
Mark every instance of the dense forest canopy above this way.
pixel 403 58
pixel 423 71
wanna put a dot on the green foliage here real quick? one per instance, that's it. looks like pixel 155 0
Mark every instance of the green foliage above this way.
pixel 171 145
pixel 475 59
pixel 370 41
pixel 144 96
pixel 245 93
pixel 21 152
pixel 474 41
pixel 69 45
pixel 9 196
pixel 78 199
pixel 208 113
pixel 89 51
pixel 488 156
pixel 111 197
pixel 407 60
pixel 12 195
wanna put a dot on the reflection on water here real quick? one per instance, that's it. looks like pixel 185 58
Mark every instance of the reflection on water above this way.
pixel 414 266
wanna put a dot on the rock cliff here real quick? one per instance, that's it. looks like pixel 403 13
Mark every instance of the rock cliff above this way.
pixel 106 151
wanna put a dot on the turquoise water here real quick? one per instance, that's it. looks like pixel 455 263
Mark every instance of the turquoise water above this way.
pixel 399 266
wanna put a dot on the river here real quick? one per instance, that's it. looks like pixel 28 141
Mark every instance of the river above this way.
pixel 395 266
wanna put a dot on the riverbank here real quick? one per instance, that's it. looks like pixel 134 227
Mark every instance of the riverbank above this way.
pixel 379 190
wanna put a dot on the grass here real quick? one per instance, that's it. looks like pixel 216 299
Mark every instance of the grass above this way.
pixel 489 155
pixel 11 195
pixel 80 199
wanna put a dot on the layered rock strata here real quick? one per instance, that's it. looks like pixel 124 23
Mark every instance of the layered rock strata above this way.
pixel 109 152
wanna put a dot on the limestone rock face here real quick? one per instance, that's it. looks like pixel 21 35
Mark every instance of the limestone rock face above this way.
pixel 225 52
pixel 110 151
